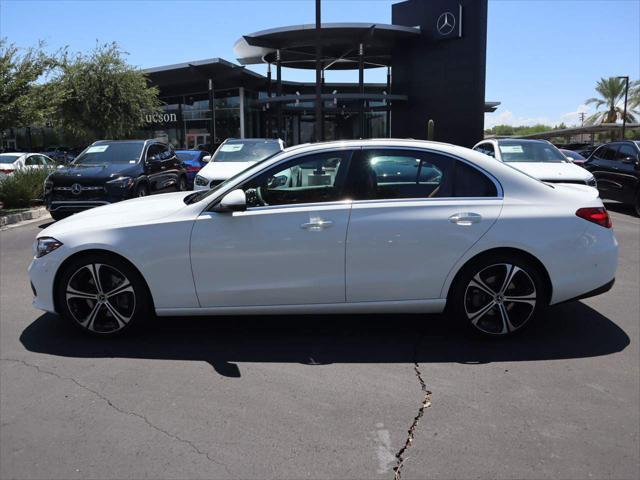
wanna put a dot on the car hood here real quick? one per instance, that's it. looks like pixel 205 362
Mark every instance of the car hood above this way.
pixel 84 174
pixel 555 172
pixel 129 212
pixel 223 170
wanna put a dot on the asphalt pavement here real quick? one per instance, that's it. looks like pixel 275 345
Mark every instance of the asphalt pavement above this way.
pixel 322 396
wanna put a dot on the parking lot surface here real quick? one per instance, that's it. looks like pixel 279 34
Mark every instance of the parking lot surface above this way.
pixel 322 396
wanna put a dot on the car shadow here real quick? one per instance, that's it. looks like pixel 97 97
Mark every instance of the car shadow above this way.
pixel 618 207
pixel 567 331
pixel 42 226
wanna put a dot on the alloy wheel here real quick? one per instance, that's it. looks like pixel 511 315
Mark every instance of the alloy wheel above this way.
pixel 100 298
pixel 500 299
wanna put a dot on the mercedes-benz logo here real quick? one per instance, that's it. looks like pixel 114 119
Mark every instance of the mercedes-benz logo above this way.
pixel 76 188
pixel 446 23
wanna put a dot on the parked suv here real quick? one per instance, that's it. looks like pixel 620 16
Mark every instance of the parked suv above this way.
pixel 616 166
pixel 110 171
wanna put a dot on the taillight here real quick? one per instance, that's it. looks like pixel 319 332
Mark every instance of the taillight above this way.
pixel 191 168
pixel 3 170
pixel 597 215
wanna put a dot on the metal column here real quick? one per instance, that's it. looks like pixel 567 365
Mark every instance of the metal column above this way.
pixel 361 88
pixel 388 102
pixel 319 133
pixel 242 132
pixel 212 124
pixel 279 91
pixel 268 133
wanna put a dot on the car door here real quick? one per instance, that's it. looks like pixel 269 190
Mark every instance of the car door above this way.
pixel 155 169
pixel 287 248
pixel 627 171
pixel 414 214
pixel 603 165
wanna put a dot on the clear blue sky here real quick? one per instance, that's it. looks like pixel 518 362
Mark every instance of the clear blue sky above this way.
pixel 543 57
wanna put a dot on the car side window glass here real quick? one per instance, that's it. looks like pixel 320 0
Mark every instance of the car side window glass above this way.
pixel 487 149
pixel 608 152
pixel 627 151
pixel 395 174
pixel 31 160
pixel 152 150
pixel 309 179
pixel 471 182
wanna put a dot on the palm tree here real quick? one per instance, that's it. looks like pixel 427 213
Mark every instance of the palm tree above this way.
pixel 611 92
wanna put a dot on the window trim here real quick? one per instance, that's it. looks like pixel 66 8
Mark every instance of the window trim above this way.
pixel 211 205
pixel 499 189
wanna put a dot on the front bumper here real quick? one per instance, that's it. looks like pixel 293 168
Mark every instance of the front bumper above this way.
pixel 42 272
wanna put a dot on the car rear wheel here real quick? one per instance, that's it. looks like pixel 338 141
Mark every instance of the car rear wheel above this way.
pixel 498 295
pixel 182 183
pixel 102 295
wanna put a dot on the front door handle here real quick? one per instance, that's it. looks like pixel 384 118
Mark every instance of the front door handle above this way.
pixel 465 218
pixel 316 224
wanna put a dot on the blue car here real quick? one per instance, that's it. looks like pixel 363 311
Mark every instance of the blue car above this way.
pixel 192 160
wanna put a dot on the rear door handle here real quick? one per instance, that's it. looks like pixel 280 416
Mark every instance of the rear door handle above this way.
pixel 465 218
pixel 316 224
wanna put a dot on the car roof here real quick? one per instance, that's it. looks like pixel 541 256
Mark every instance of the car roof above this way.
pixel 104 142
pixel 520 140
pixel 252 140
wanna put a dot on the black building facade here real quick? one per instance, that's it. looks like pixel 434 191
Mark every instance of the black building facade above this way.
pixel 434 55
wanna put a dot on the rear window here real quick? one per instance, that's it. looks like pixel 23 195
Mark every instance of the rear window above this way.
pixel 121 152
pixel 245 151
pixel 9 158
pixel 514 151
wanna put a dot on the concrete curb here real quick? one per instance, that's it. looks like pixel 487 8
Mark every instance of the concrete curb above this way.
pixel 22 216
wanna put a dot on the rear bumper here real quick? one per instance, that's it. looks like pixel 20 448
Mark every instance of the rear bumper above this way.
pixel 593 293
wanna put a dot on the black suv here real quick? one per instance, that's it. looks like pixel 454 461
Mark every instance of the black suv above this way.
pixel 110 171
pixel 616 167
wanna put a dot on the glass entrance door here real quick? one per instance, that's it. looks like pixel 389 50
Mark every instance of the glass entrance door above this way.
pixel 196 139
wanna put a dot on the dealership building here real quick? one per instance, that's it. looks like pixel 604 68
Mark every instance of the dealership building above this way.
pixel 433 53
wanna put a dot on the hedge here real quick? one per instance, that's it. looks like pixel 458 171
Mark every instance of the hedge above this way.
pixel 21 188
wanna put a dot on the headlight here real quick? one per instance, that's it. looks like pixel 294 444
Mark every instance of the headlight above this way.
pixel 48 186
pixel 592 182
pixel 46 245
pixel 122 182
pixel 201 181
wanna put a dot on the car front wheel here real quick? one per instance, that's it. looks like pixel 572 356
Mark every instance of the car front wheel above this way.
pixel 498 295
pixel 102 294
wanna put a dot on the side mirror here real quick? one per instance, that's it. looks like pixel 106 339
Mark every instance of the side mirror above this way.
pixel 206 158
pixel 153 159
pixel 234 201
pixel 629 160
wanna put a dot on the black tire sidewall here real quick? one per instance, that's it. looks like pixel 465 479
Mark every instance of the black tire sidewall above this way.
pixel 455 303
pixel 142 304
pixel 142 188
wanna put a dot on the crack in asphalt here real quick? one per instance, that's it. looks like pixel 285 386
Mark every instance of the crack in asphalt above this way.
pixel 173 436
pixel 426 403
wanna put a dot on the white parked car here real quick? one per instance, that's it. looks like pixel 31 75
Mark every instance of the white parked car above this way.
pixel 538 158
pixel 364 226
pixel 233 156
pixel 10 162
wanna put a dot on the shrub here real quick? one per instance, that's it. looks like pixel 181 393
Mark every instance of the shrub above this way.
pixel 22 187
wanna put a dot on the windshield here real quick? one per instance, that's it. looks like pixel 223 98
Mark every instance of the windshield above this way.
pixel 238 151
pixel 9 158
pixel 120 152
pixel 515 151
pixel 638 143
pixel 197 196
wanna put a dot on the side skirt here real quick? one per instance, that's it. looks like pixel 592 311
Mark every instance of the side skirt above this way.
pixel 406 306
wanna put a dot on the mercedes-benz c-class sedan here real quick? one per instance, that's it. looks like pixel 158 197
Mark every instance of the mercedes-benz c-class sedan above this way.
pixel 365 226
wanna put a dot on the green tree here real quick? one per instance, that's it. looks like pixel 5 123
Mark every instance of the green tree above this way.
pixel 102 96
pixel 611 96
pixel 24 99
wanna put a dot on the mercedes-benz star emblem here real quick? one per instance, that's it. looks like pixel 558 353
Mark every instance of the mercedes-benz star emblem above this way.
pixel 446 23
pixel 76 188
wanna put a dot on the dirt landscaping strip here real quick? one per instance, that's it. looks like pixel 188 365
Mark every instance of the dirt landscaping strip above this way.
pixel 13 218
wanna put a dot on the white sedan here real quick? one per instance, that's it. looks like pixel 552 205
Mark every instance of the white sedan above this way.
pixel 538 158
pixel 365 226
pixel 10 162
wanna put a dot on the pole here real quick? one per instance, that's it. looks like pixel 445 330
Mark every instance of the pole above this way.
pixel 212 125
pixel 279 92
pixel 361 87
pixel 319 134
pixel 388 113
pixel 624 114
pixel 268 133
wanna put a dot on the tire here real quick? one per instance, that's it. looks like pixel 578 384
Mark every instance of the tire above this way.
pixel 182 184
pixel 142 190
pixel 479 298
pixel 59 215
pixel 108 307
